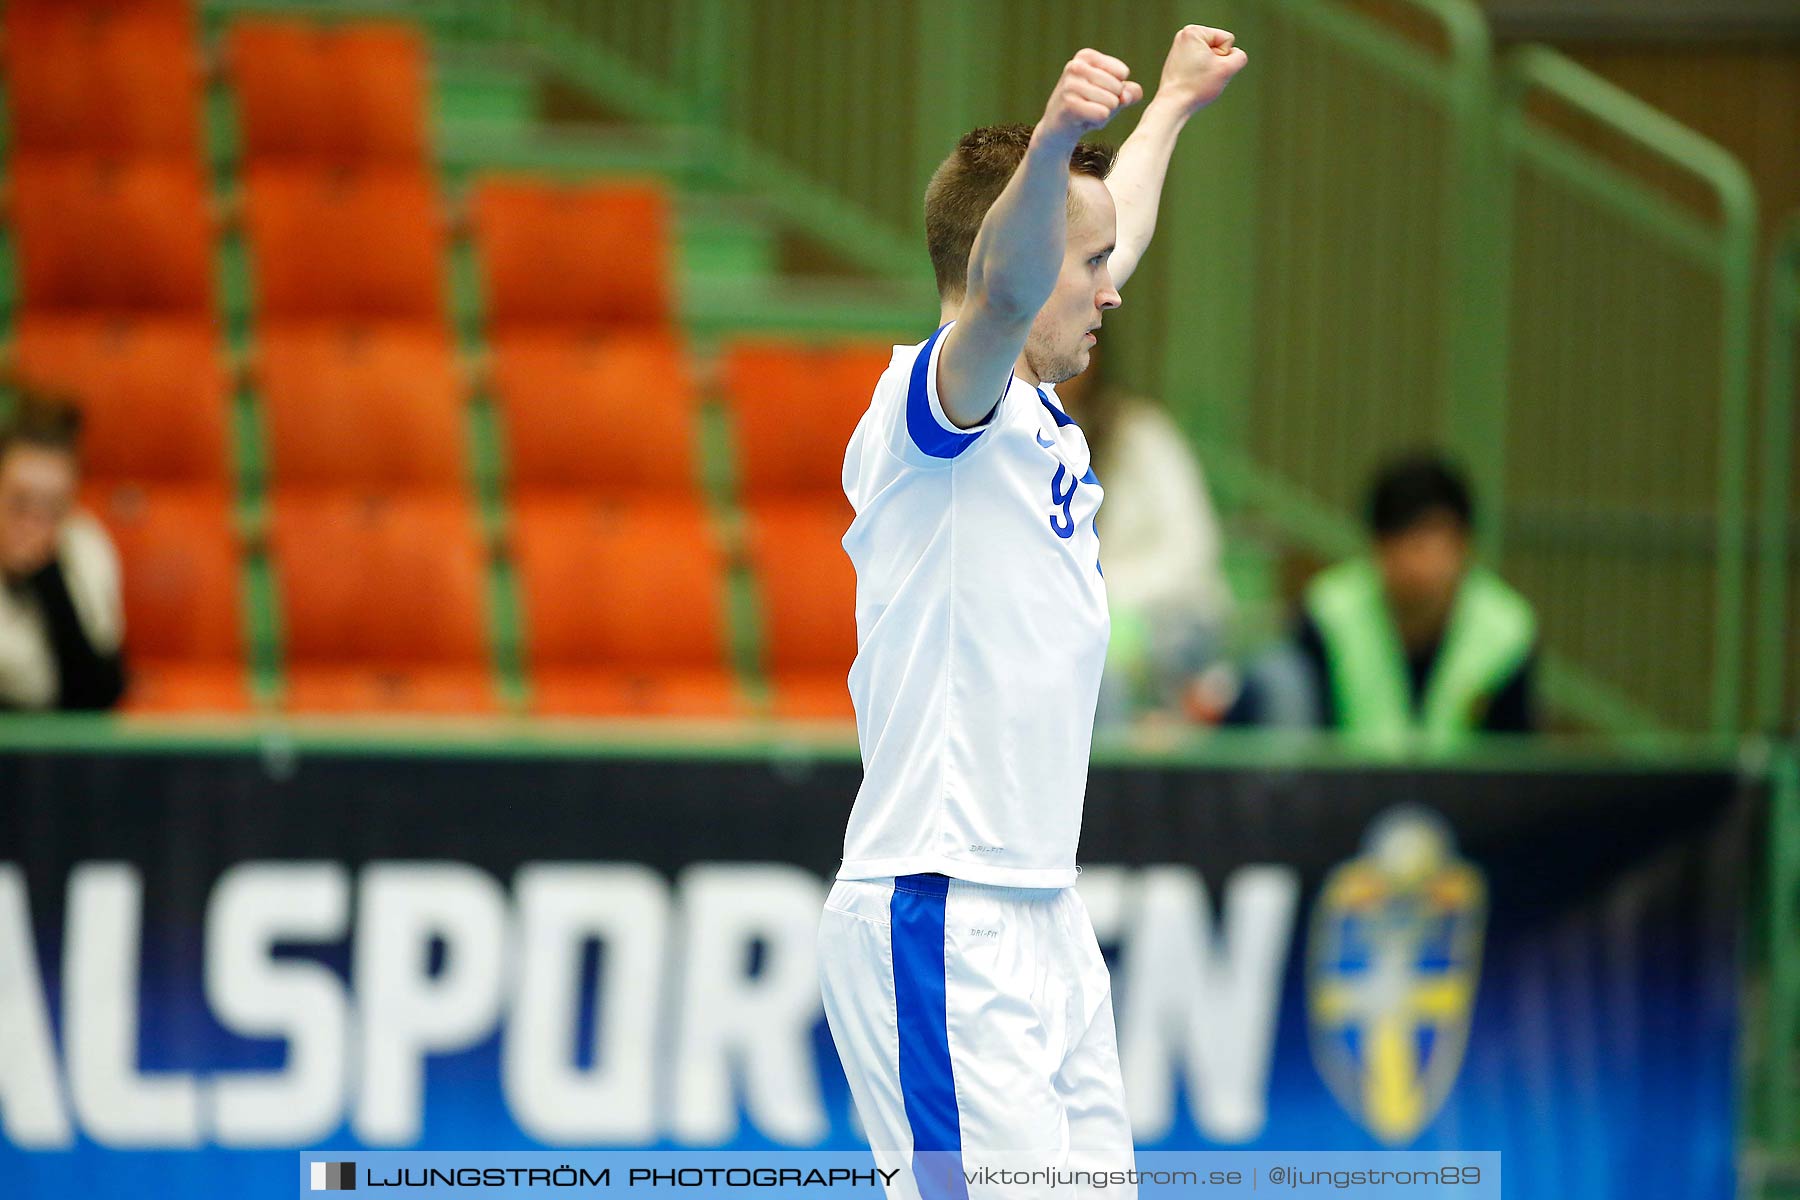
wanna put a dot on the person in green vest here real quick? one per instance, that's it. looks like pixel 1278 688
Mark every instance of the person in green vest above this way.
pixel 1415 643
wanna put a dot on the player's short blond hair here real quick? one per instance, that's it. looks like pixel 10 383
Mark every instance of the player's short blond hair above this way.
pixel 966 184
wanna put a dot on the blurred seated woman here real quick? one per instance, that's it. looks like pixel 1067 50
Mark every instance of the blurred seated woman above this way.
pixel 1161 551
pixel 61 615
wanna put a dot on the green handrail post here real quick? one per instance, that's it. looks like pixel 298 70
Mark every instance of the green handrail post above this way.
pixel 1782 1098
pixel 1782 328
pixel 1205 364
pixel 705 66
pixel 1540 68
pixel 946 70
pixel 1476 237
pixel 1471 349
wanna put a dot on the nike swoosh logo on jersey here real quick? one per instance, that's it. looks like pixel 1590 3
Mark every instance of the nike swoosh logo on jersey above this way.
pixel 1038 434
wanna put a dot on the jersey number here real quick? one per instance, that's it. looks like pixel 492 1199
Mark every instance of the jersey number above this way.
pixel 1063 524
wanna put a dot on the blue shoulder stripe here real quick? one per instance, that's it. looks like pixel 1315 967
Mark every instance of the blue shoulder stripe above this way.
pixel 921 426
pixel 1056 414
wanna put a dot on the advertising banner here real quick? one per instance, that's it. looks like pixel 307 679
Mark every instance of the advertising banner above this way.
pixel 213 961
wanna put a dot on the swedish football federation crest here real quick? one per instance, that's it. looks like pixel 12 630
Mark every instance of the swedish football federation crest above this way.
pixel 1393 962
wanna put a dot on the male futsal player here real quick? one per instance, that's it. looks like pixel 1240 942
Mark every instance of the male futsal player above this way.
pixel 962 980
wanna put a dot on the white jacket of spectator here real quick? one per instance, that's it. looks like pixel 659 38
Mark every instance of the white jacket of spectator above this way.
pixel 1160 542
pixel 91 569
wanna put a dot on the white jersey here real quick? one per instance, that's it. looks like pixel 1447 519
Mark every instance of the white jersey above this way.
pixel 981 628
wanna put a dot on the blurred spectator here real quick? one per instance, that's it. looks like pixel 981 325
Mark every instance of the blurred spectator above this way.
pixel 1159 548
pixel 61 615
pixel 1413 640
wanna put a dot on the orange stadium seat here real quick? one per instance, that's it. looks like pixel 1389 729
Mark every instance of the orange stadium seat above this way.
pixel 154 394
pixel 350 245
pixel 616 412
pixel 357 406
pixel 116 78
pixel 111 237
pixel 624 609
pixel 794 408
pixel 808 593
pixel 183 588
pixel 329 94
pixel 593 256
pixel 382 603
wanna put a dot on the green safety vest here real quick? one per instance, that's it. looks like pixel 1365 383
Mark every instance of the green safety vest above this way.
pixel 1491 631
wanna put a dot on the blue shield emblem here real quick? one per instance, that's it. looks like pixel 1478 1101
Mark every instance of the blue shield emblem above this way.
pixel 1393 962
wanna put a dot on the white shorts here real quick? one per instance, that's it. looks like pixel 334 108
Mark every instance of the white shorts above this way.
pixel 972 1021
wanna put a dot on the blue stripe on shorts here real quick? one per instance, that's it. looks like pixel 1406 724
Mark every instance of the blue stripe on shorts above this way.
pixel 926 1083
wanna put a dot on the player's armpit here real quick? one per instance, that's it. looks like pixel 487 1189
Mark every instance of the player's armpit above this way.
pixel 931 438
pixel 976 364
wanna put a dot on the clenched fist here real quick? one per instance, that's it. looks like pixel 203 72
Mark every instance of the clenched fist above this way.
pixel 1201 62
pixel 1092 90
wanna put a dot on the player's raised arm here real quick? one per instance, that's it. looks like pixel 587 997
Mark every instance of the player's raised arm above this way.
pixel 1019 250
pixel 1201 62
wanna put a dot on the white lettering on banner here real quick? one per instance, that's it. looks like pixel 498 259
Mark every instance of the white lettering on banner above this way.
pixel 33 1112
pixel 687 1039
pixel 117 1105
pixel 761 1024
pixel 406 1011
pixel 1204 1001
pixel 561 909
pixel 254 906
pixel 1103 891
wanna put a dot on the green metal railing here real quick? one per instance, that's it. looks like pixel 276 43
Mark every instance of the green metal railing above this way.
pixel 693 63
pixel 1630 372
pixel 1369 293
pixel 1363 262
pixel 1473 276
pixel 1777 624
pixel 1379 239
pixel 1775 1069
